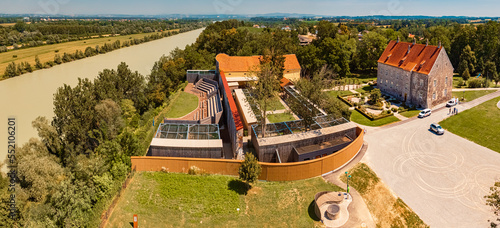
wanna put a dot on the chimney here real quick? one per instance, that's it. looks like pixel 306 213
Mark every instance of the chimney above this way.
pixel 409 47
pixel 414 40
pixel 427 42
pixel 439 44
pixel 398 40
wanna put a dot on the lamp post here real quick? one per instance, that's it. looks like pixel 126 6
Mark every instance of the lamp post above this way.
pixel 347 177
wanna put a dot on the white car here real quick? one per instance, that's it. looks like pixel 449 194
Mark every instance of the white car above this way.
pixel 437 129
pixel 451 102
pixel 424 113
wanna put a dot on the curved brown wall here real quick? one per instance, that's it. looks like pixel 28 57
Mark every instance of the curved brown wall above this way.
pixel 270 171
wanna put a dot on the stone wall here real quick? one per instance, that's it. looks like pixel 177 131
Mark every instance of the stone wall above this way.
pixel 442 72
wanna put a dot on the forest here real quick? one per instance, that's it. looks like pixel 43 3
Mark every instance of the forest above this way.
pixel 69 175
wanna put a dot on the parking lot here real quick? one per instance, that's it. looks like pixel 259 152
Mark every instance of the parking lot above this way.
pixel 443 178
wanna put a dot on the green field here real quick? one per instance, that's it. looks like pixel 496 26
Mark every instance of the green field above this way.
pixel 480 124
pixel 182 200
pixel 386 209
pixel 275 104
pixel 410 113
pixel 183 105
pixel 361 119
pixel 471 95
pixel 280 117
pixel 47 52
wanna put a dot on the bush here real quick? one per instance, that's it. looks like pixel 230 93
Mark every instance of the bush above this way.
pixel 14 56
pixel 475 83
pixel 250 169
pixel 193 170
pixel 394 109
pixel 460 83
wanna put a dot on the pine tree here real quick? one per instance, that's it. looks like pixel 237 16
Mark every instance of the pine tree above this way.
pixel 250 169
pixel 466 75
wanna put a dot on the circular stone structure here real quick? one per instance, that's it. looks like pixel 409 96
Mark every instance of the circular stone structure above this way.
pixel 333 211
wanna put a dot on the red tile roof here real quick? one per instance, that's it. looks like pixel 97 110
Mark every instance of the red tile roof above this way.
pixel 248 63
pixel 284 82
pixel 232 104
pixel 421 57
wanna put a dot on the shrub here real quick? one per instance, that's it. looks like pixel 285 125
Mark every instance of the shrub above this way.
pixel 193 170
pixel 56 51
pixel 460 83
pixel 250 169
pixel 474 83
pixel 394 109
pixel 14 56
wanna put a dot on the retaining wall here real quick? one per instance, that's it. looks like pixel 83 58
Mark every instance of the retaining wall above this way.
pixel 270 171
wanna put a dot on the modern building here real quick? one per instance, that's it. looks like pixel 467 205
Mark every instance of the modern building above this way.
pixel 417 74
pixel 238 69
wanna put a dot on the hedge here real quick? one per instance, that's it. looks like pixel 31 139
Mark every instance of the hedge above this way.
pixel 374 118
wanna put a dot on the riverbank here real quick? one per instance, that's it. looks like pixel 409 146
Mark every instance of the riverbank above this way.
pixel 31 95
pixel 74 50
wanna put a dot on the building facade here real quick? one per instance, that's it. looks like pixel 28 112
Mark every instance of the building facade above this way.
pixel 420 75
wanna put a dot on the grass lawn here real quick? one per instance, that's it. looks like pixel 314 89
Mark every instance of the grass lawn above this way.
pixel 182 200
pixel 365 89
pixel 183 105
pixel 280 117
pixel 47 52
pixel 386 209
pixel 275 104
pixel 480 124
pixel 410 113
pixel 471 95
pixel 335 93
pixel 361 119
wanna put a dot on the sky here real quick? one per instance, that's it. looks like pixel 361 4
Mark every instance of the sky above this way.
pixel 482 8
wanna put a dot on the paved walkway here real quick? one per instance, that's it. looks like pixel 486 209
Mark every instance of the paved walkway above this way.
pixel 476 89
pixel 400 117
pixel 498 104
pixel 442 178
pixel 359 211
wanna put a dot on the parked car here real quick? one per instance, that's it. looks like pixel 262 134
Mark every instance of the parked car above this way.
pixel 451 102
pixel 437 129
pixel 424 113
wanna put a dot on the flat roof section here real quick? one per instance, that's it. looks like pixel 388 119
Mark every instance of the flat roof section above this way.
pixel 188 131
pixel 324 145
pixel 247 112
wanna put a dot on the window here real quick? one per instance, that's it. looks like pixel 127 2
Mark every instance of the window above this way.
pixel 229 73
pixel 420 95
pixel 324 155
pixel 421 82
pixel 319 156
pixel 446 80
pixel 434 96
pixel 386 81
pixel 445 92
pixel 435 82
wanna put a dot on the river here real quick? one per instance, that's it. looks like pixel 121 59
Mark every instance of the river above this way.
pixel 31 95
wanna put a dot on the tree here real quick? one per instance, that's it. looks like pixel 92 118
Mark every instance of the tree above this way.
pixel 11 70
pixel 468 57
pixel 250 169
pixel 375 95
pixel 57 59
pixel 493 200
pixel 463 70
pixel 265 89
pixel 370 49
pixel 312 91
pixel 38 64
pixel 490 69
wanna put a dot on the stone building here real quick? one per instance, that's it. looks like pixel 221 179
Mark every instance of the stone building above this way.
pixel 417 74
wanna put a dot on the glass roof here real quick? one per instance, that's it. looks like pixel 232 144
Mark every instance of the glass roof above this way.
pixel 188 131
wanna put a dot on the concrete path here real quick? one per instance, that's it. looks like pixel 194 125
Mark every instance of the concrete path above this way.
pixel 475 89
pixel 498 104
pixel 442 178
pixel 359 212
pixel 400 117
pixel 354 91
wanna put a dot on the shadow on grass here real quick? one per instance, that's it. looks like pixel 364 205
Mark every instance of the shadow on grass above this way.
pixel 238 186
pixel 311 211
